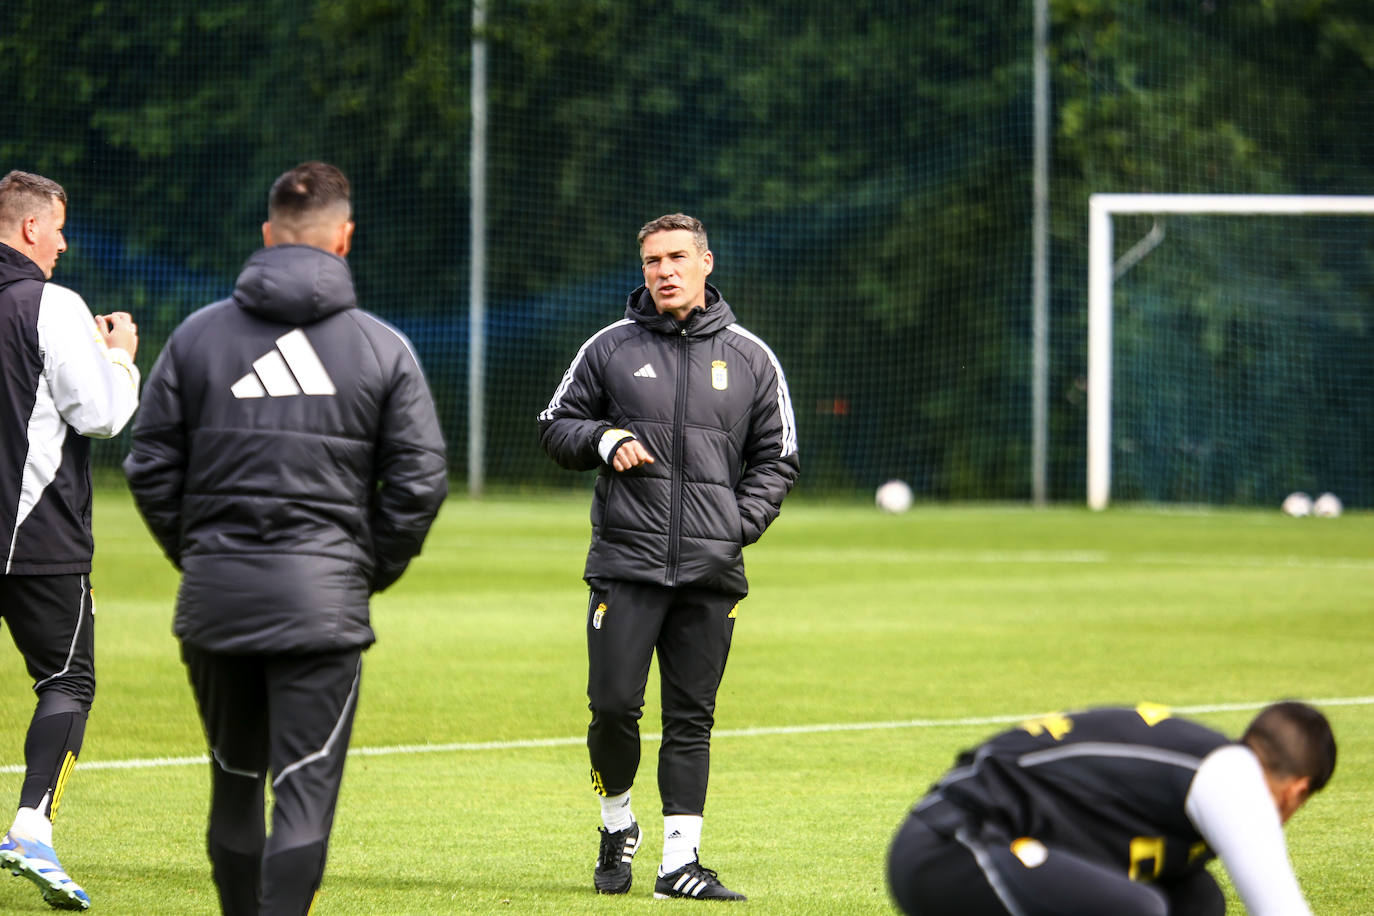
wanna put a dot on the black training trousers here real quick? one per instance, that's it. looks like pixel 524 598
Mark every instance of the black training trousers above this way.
pixel 290 715
pixel 942 865
pixel 52 621
pixel 690 629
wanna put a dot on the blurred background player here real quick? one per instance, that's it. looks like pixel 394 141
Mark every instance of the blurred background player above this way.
pixel 290 463
pixel 68 375
pixel 687 417
pixel 1115 811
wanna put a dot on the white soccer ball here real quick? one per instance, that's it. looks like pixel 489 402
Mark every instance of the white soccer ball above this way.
pixel 894 496
pixel 1328 505
pixel 1297 504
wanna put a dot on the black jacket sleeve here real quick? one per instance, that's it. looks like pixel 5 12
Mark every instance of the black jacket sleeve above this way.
pixel 411 472
pixel 771 465
pixel 156 465
pixel 570 428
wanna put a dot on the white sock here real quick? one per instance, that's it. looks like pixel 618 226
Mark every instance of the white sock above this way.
pixel 31 825
pixel 615 811
pixel 681 840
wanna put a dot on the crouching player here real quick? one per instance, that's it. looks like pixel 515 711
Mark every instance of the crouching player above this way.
pixel 1115 811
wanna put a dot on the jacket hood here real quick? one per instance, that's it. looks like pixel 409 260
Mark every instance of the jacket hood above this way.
pixel 701 322
pixel 15 265
pixel 295 284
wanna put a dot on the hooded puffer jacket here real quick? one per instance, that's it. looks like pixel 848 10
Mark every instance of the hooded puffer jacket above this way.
pixel 288 458
pixel 709 402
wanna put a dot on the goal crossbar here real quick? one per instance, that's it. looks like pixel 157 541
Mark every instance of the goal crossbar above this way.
pixel 1101 209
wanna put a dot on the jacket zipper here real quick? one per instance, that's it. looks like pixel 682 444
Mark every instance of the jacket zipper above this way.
pixel 675 495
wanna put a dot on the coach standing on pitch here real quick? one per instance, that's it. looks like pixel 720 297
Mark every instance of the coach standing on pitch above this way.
pixel 289 461
pixel 67 376
pixel 1115 811
pixel 687 418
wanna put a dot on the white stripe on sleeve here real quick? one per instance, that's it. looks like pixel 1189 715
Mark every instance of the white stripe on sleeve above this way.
pixel 784 397
pixel 557 400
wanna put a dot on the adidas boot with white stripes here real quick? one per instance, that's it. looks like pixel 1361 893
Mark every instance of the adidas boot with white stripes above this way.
pixel 612 875
pixel 695 882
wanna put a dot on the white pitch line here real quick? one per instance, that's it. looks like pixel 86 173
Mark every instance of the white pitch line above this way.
pixel 758 731
pixel 845 557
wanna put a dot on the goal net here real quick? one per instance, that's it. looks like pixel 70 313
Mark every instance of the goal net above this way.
pixel 1231 348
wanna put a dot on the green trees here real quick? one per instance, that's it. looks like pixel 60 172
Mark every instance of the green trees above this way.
pixel 864 170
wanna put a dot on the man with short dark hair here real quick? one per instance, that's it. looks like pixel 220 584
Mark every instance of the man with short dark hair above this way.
pixel 68 377
pixel 290 463
pixel 687 418
pixel 1115 811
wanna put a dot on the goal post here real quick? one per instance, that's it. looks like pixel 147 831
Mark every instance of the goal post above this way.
pixel 1101 209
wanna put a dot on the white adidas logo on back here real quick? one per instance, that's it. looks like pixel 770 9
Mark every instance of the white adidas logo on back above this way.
pixel 646 371
pixel 292 368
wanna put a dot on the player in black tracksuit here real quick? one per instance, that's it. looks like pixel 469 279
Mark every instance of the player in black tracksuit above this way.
pixel 687 418
pixel 66 377
pixel 1114 811
pixel 289 461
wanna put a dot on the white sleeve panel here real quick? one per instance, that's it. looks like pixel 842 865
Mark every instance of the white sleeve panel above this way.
pixel 94 387
pixel 1230 805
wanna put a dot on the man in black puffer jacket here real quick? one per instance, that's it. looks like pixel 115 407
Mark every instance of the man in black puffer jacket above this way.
pixel 688 419
pixel 289 461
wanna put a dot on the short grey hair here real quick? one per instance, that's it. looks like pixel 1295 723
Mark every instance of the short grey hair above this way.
pixel 676 221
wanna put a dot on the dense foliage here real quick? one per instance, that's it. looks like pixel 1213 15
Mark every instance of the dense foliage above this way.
pixel 864 169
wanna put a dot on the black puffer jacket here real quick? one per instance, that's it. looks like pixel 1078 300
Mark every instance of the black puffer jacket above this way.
pixel 709 402
pixel 288 458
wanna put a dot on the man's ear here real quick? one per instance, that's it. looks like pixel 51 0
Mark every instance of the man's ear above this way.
pixel 1300 790
pixel 1289 795
pixel 29 229
pixel 345 240
pixel 710 261
pixel 267 235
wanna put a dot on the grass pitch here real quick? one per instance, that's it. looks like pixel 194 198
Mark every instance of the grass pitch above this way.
pixel 872 650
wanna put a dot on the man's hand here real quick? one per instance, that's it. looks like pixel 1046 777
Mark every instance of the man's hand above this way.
pixel 118 330
pixel 631 455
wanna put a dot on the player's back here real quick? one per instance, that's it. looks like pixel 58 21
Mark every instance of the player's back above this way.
pixel 286 395
pixel 1110 784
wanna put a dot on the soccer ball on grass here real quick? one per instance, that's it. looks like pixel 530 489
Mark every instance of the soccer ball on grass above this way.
pixel 894 497
pixel 1328 505
pixel 1297 504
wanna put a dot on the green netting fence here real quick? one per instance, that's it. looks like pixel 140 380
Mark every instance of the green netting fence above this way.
pixel 864 170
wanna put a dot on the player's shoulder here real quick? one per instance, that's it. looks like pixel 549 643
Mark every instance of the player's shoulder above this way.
pixel 620 329
pixel 377 327
pixel 207 317
pixel 56 297
pixel 606 339
pixel 389 343
pixel 747 342
pixel 1151 724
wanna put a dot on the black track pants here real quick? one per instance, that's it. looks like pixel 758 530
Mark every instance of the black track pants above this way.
pixel 690 629
pixel 290 715
pixel 52 621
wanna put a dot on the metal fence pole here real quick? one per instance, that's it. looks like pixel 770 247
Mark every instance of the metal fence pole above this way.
pixel 1040 262
pixel 477 305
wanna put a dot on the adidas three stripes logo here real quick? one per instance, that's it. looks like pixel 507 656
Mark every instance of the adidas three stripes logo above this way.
pixel 690 885
pixel 291 368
